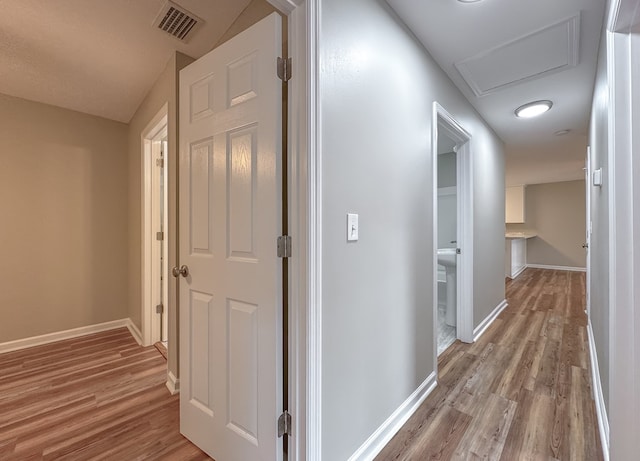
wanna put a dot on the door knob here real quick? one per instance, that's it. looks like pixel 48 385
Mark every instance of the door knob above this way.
pixel 585 245
pixel 178 271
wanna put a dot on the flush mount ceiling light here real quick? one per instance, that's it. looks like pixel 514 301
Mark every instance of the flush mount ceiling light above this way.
pixel 533 109
pixel 469 1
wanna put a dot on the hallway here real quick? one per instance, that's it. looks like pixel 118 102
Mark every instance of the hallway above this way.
pixel 523 391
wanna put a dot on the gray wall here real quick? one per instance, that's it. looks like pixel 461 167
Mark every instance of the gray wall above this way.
pixel 447 203
pixel 598 139
pixel 556 212
pixel 377 88
pixel 447 169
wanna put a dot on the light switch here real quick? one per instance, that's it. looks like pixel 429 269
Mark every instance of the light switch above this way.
pixel 352 227
pixel 597 177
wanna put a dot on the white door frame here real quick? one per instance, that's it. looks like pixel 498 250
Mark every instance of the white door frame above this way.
pixel 443 120
pixel 150 326
pixel 304 166
pixel 623 72
pixel 588 173
pixel 304 184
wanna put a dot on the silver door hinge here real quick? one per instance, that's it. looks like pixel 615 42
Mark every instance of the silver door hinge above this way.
pixel 160 162
pixel 159 235
pixel 284 69
pixel 284 424
pixel 284 246
pixel 159 309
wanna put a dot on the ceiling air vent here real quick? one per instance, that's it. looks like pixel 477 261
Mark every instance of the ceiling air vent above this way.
pixel 177 22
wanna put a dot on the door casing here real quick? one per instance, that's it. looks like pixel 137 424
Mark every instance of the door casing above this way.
pixel 151 332
pixel 444 122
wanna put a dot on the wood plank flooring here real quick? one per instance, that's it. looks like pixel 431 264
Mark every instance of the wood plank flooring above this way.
pixel 100 396
pixel 522 392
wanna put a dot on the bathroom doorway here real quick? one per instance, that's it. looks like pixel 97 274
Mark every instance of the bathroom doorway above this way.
pixel 447 240
pixel 453 231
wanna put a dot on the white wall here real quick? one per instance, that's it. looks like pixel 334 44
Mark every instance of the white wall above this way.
pixel 599 245
pixel 377 88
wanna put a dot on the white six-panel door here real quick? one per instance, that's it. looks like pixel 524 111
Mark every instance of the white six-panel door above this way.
pixel 229 220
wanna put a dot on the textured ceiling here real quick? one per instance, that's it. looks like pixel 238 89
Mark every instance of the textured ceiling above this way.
pixel 456 33
pixel 96 56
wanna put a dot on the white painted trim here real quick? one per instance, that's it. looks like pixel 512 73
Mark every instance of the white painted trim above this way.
pixel 24 343
pixel 135 331
pixel 465 295
pixel 381 437
pixel 557 268
pixel 588 228
pixel 443 120
pixel 434 231
pixel 155 125
pixel 311 213
pixel 286 6
pixel 304 313
pixel 519 271
pixel 623 15
pixel 601 409
pixel 173 383
pixel 480 329
pixel 624 202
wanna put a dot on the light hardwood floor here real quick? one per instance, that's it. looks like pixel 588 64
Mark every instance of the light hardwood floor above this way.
pixel 521 392
pixel 100 396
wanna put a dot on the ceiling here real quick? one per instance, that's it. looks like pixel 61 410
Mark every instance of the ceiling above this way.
pixel 504 53
pixel 99 57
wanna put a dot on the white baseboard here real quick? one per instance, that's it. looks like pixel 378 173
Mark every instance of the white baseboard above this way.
pixel 135 331
pixel 518 272
pixel 379 439
pixel 62 335
pixel 601 410
pixel 477 331
pixel 557 268
pixel 173 383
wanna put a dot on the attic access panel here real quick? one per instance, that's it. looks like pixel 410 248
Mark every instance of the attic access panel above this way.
pixel 552 49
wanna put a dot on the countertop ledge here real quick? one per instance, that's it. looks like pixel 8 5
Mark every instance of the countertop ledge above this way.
pixel 520 235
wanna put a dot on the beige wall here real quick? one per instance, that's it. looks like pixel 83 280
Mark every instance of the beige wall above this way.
pixel 254 12
pixel 557 212
pixel 72 189
pixel 63 234
pixel 164 91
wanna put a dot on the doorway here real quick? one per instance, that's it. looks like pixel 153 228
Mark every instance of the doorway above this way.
pixel 588 229
pixel 453 231
pixel 447 160
pixel 155 240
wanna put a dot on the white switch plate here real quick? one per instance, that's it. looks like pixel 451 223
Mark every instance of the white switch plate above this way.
pixel 597 177
pixel 352 227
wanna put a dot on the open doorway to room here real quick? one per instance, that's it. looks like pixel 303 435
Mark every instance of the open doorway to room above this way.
pixel 154 231
pixel 447 241
pixel 453 231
